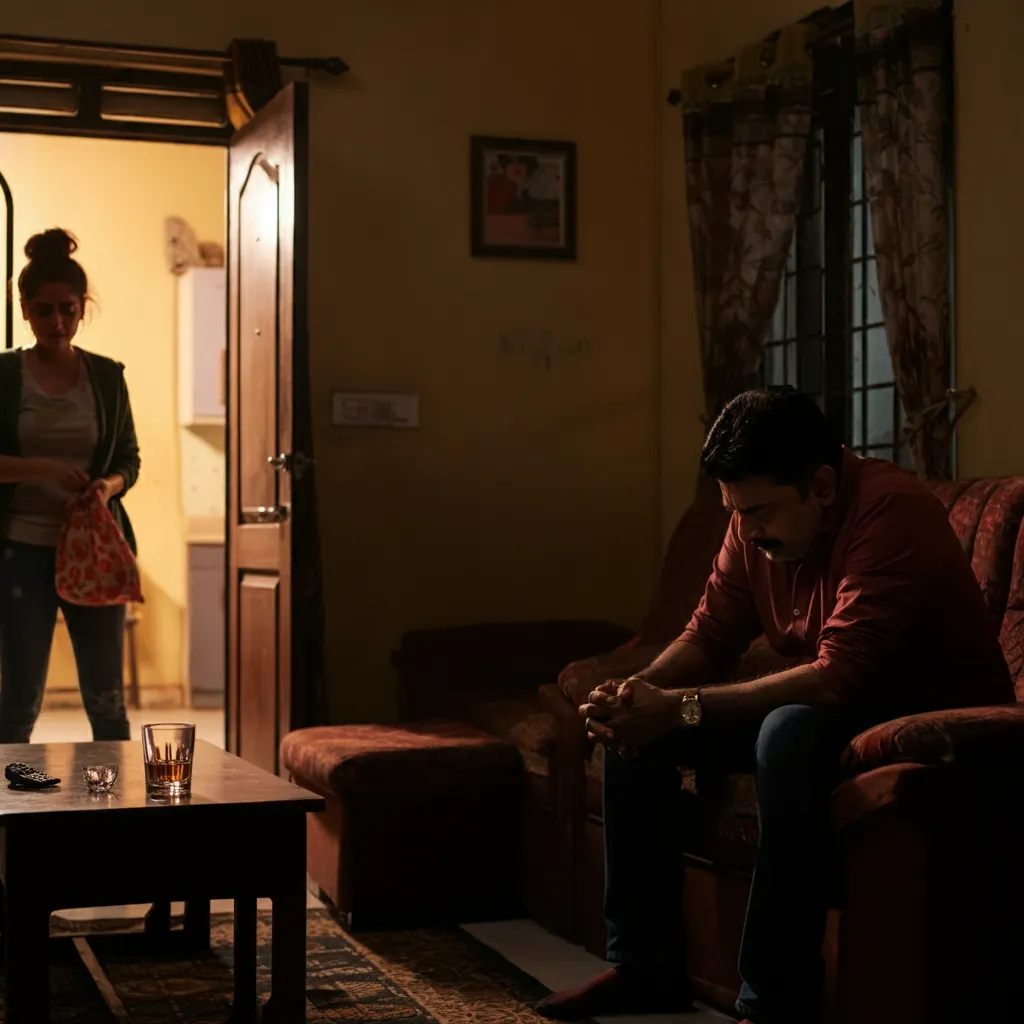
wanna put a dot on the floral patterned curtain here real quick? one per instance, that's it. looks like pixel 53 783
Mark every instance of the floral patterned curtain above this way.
pixel 746 124
pixel 903 68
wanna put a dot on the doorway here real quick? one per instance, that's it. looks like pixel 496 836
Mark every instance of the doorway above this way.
pixel 272 582
pixel 169 330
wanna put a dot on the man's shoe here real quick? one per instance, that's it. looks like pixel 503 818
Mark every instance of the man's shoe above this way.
pixel 624 988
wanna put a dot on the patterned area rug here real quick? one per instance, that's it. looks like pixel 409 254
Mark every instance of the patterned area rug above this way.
pixel 425 976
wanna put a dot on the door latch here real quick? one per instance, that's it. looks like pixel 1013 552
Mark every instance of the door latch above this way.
pixel 266 514
pixel 295 463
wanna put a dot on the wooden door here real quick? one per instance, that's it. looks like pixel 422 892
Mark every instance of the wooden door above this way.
pixel 270 471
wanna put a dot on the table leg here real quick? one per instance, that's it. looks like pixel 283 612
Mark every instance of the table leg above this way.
pixel 158 922
pixel 26 960
pixel 287 1003
pixel 245 1001
pixel 197 926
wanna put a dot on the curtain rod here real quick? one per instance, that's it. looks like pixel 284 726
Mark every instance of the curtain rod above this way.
pixel 210 61
pixel 835 27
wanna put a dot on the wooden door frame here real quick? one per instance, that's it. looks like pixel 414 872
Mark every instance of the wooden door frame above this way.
pixel 306 648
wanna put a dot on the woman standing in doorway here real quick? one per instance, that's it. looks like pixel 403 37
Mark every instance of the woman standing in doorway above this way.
pixel 65 428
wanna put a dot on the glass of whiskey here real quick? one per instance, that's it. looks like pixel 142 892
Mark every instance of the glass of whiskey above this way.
pixel 167 749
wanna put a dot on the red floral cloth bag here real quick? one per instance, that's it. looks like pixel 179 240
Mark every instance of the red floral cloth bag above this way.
pixel 95 566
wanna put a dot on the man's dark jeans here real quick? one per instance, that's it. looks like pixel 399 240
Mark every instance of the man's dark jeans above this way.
pixel 28 614
pixel 795 758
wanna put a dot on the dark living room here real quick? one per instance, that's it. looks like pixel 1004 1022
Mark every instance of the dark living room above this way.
pixel 618 582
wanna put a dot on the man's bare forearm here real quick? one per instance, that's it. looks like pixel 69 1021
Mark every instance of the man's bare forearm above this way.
pixel 679 667
pixel 729 703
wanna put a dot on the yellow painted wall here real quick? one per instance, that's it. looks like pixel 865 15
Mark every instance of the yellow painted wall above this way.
pixel 114 196
pixel 527 492
pixel 989 223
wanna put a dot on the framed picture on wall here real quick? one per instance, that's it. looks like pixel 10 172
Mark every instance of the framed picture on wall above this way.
pixel 524 198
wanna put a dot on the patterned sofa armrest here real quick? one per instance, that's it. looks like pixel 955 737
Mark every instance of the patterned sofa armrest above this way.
pixel 867 795
pixel 967 736
pixel 561 709
pixel 579 678
pixel 570 730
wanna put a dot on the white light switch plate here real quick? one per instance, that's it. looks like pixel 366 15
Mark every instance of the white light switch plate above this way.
pixel 374 409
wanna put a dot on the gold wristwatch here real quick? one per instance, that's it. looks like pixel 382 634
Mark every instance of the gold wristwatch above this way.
pixel 690 709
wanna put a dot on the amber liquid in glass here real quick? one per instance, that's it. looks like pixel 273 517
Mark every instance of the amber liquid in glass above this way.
pixel 168 776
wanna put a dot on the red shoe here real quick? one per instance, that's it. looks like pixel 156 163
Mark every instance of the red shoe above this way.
pixel 620 989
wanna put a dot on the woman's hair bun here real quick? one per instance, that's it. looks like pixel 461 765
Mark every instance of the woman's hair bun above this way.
pixel 51 246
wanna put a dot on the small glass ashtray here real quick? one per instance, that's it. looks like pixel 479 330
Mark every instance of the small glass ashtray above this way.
pixel 100 778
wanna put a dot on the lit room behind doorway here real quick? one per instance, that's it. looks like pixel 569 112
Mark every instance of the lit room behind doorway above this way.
pixel 168 329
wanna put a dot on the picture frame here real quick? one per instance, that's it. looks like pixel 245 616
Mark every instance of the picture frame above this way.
pixel 523 195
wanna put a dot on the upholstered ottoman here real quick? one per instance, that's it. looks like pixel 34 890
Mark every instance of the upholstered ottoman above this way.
pixel 423 821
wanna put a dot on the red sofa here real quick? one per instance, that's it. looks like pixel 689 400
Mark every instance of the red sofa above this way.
pixel 488 676
pixel 928 922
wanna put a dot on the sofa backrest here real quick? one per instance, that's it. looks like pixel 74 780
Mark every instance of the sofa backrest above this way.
pixel 987 516
pixel 687 566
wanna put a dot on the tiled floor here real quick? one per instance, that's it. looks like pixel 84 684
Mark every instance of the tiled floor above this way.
pixel 557 964
pixel 69 725
pixel 554 962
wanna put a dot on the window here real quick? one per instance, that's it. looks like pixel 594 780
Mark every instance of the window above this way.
pixel 794 349
pixel 827 337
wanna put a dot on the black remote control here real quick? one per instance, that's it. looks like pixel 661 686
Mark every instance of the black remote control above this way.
pixel 22 776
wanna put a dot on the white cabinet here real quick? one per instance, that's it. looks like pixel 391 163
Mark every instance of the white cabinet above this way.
pixel 202 346
pixel 206 625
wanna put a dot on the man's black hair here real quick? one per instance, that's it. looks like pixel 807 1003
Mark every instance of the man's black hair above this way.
pixel 778 433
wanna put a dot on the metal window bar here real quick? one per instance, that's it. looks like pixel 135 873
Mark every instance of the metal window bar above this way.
pixel 835 283
pixel 794 340
pixel 833 106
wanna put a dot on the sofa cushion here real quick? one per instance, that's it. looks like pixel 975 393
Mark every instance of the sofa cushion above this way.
pixel 413 757
pixel 1011 632
pixel 524 725
pixel 987 517
pixel 996 541
pixel 688 562
pixel 722 813
pixel 724 820
pixel 992 735
pixel 722 808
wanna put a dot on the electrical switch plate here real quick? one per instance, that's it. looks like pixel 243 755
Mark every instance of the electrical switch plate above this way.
pixel 374 409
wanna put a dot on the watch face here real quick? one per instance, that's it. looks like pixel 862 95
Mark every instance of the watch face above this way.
pixel 691 712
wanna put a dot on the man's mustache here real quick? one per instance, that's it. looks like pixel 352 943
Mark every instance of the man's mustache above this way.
pixel 768 544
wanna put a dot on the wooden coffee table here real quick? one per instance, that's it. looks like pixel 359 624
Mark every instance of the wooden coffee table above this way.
pixel 241 835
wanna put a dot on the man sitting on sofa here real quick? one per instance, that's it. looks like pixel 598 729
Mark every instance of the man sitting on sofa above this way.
pixel 849 565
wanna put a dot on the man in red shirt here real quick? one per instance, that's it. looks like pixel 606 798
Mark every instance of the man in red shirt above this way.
pixel 848 565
